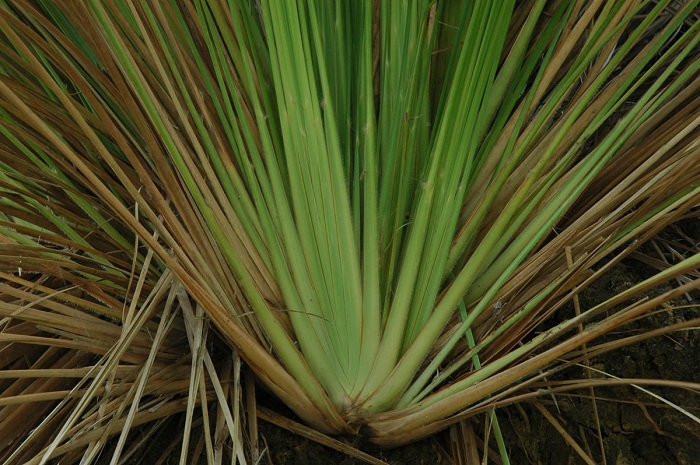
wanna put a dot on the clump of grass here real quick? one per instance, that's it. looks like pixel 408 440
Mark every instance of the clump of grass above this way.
pixel 376 204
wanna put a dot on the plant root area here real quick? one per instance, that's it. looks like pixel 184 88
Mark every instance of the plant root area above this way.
pixel 615 425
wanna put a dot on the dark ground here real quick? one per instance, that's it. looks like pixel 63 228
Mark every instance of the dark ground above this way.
pixel 636 427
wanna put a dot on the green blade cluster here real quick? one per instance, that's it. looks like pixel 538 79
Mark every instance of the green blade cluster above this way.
pixel 334 181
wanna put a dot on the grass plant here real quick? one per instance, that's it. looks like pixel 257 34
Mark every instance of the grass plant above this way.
pixel 378 205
